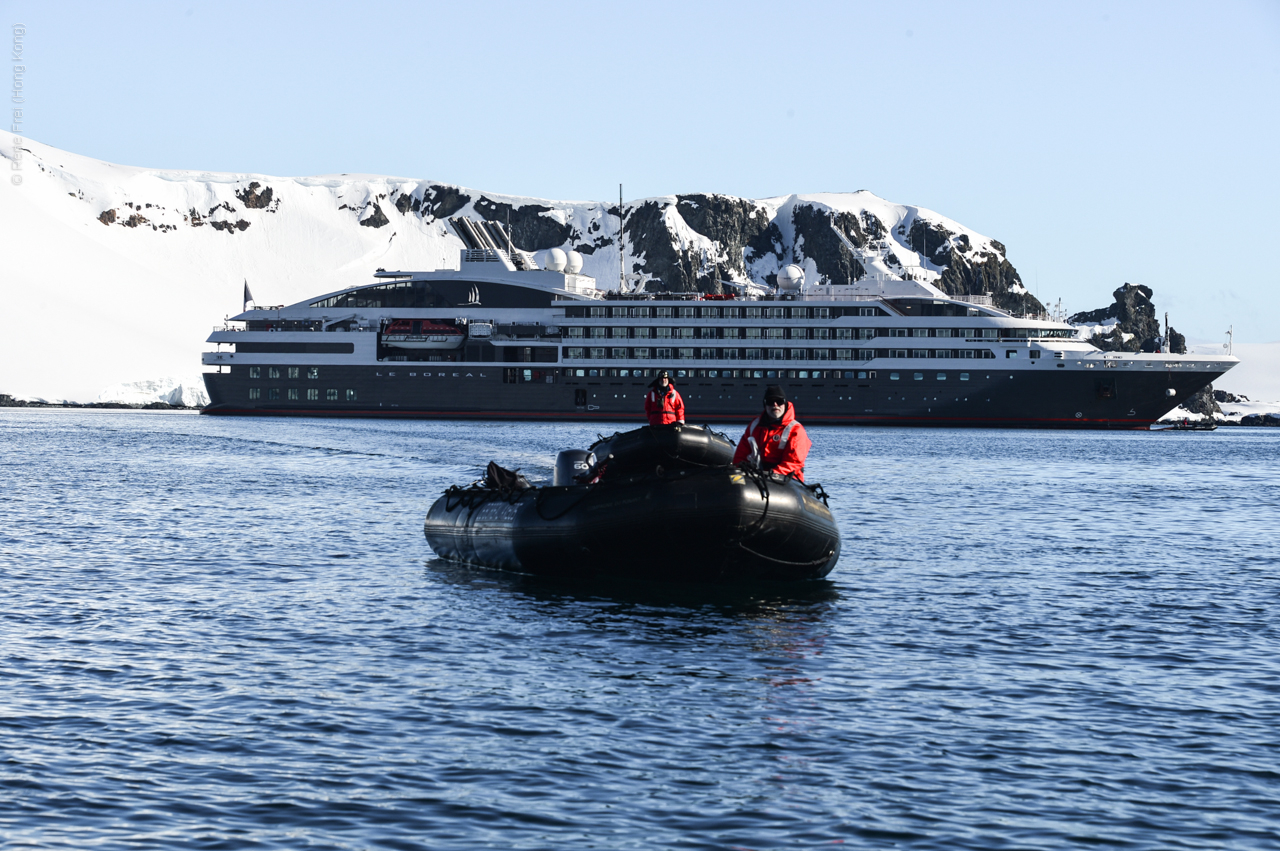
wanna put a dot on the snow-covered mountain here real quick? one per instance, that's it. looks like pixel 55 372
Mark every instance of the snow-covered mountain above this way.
pixel 113 272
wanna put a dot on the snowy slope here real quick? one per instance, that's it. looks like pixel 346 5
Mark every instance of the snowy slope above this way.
pixel 116 274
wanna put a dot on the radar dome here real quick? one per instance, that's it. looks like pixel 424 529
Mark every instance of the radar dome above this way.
pixel 555 260
pixel 790 278
pixel 573 265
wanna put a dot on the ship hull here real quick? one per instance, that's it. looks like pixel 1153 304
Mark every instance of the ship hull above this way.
pixel 1023 398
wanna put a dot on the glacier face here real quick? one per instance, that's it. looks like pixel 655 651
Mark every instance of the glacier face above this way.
pixel 189 392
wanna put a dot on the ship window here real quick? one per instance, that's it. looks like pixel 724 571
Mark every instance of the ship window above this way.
pixel 777 354
pixel 865 334
pixel 686 333
pixel 844 354
pixel 753 354
pixel 866 354
pixel 710 312
pixel 897 353
pixel 919 376
pixel 575 332
pixel 770 373
pixel 822 333
pixel 313 372
pixel 640 312
pixel 293 394
pixel 753 333
pixel 618 312
pixel 598 332
pixel 642 333
pixel 331 395
pixel 731 312
pixel 293 372
pixel 775 312
pixel 1035 354
pixel 729 354
pixel 598 312
pixel 641 354
pixel 860 375
pixel 255 372
pixel 893 376
pixel 617 332
pixel 662 333
pixel 619 354
pixel 752 313
pixel 797 354
pixel 919 353
pixel 799 313
pixel 573 352
pixel 804 373
pixel 868 311
pixel 684 354
pixel 798 333
pixel 597 353
pixel 822 354
pixel 987 354
pixel 897 332
pixel 663 354
pixel 920 332
pixel 686 312
pixel 682 373
pixel 822 313
pixel 313 395
pixel 843 333
pixel 942 332
pixel 966 353
pixel 662 312
pixel 707 354
pixel 273 393
pixel 273 372
pixel 255 392
pixel 774 333
pixel 964 376
pixel 942 376
pixel 1011 353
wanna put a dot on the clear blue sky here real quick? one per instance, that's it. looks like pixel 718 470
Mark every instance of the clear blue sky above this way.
pixel 1101 142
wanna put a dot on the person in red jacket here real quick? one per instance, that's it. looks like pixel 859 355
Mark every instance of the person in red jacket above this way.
pixel 662 404
pixel 776 436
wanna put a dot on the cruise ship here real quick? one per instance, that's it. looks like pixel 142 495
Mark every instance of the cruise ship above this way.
pixel 501 338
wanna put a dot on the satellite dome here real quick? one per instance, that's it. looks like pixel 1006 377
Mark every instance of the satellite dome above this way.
pixel 574 263
pixel 790 278
pixel 555 260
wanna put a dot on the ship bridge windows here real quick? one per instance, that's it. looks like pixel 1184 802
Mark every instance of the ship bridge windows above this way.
pixel 931 307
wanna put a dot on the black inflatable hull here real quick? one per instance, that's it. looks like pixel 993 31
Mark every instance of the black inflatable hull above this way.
pixel 713 524
pixel 672 447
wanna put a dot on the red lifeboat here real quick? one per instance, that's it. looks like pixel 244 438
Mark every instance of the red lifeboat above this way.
pixel 422 334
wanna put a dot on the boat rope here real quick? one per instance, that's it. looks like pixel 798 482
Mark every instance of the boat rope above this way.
pixel 818 562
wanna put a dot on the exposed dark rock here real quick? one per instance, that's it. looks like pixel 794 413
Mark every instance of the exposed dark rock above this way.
pixel 733 223
pixel 376 219
pixel 647 236
pixel 1268 419
pixel 134 220
pixel 1135 315
pixel 230 227
pixel 816 237
pixel 405 203
pixel 1224 396
pixel 253 199
pixel 195 218
pixel 441 202
pixel 530 230
pixel 107 216
pixel 1203 402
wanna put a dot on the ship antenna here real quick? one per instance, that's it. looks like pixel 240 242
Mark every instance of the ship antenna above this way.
pixel 622 252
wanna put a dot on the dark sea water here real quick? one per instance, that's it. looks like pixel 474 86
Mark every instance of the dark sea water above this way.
pixel 230 633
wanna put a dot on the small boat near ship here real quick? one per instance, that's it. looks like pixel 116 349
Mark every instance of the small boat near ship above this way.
pixel 658 502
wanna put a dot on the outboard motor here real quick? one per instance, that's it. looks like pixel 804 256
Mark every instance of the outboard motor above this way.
pixel 571 463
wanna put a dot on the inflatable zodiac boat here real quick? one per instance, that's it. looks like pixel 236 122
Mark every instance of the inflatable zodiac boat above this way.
pixel 660 502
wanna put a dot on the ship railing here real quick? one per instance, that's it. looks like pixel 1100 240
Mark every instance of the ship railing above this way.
pixel 984 300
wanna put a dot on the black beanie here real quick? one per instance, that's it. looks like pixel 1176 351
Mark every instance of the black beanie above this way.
pixel 774 392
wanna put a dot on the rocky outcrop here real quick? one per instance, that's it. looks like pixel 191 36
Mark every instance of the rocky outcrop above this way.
pixel 1203 402
pixel 376 219
pixel 530 229
pixel 1133 324
pixel 1223 396
pixel 255 200
pixel 817 238
pixel 107 217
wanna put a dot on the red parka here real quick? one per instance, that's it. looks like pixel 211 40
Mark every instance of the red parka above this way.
pixel 663 407
pixel 783 445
